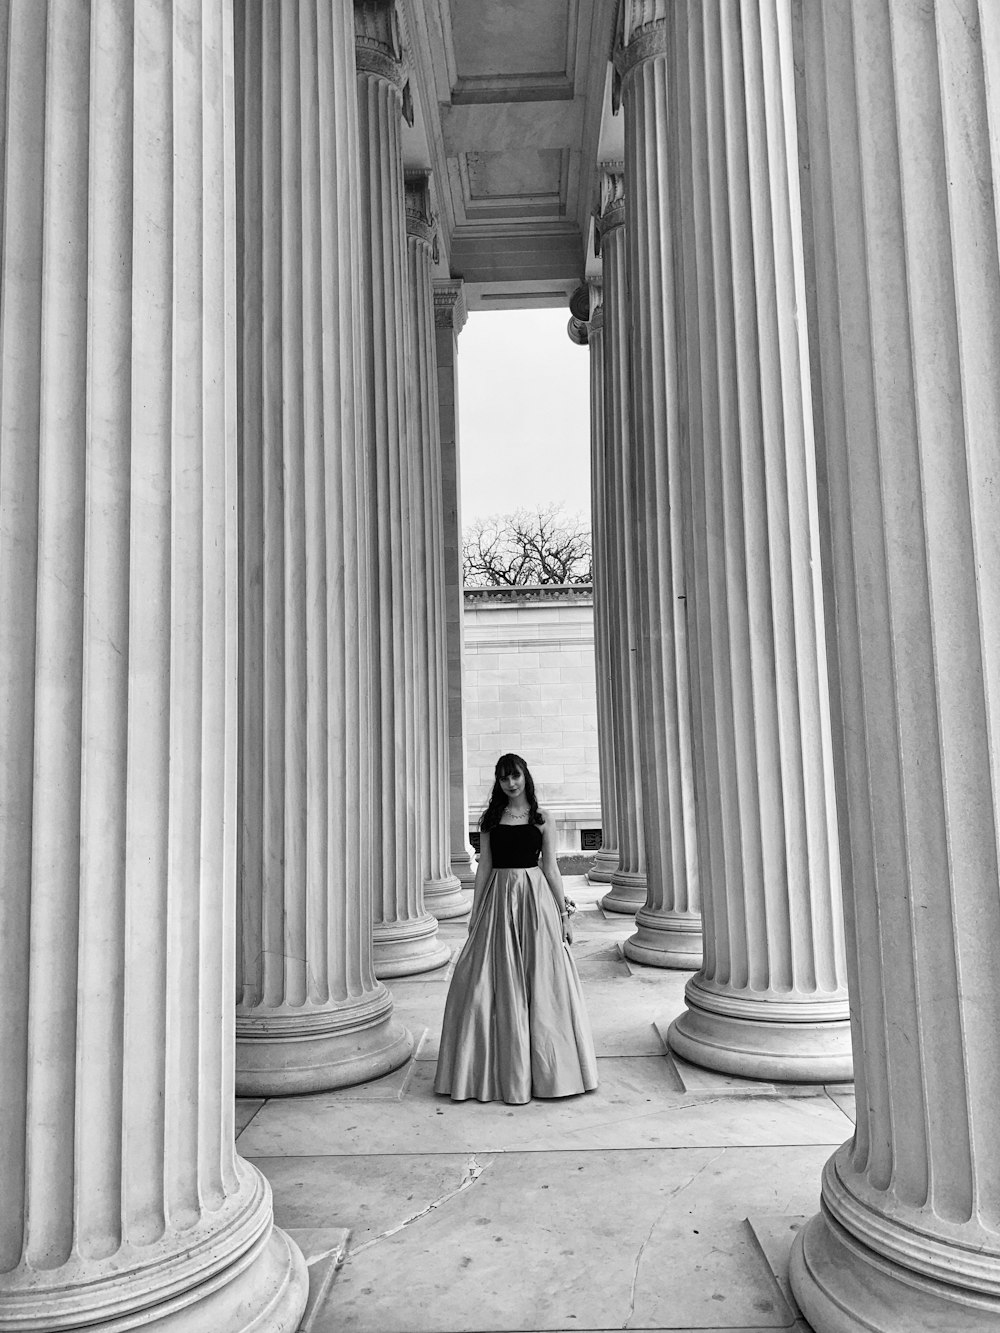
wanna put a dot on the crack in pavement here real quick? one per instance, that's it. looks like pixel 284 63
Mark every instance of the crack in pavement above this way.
pixel 337 1252
pixel 472 1173
pixel 656 1222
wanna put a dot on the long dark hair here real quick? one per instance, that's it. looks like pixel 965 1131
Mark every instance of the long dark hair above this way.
pixel 506 765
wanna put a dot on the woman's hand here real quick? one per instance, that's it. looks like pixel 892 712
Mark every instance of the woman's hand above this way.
pixel 567 929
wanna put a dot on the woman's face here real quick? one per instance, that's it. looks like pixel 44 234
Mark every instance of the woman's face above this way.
pixel 513 785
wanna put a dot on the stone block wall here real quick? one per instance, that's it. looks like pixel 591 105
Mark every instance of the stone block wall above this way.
pixel 530 688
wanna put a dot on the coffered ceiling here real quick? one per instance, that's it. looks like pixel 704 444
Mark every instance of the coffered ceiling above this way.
pixel 511 101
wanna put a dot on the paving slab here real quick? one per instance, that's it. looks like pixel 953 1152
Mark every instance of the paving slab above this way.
pixel 695 1079
pixel 775 1234
pixel 637 1104
pixel 517 1245
pixel 323 1249
pixel 246 1109
pixel 847 1103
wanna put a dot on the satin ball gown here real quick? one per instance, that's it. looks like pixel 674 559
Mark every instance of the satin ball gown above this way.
pixel 515 1023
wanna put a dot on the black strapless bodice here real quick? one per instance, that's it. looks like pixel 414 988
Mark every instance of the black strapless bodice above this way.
pixel 515 846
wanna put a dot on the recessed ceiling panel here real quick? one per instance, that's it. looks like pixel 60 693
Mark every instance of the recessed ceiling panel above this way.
pixel 515 37
pixel 521 173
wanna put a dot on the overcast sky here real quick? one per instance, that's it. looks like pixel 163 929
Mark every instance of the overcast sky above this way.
pixel 524 413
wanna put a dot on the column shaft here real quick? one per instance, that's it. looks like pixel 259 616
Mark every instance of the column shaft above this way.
pixel 628 892
pixel 405 935
pixel 668 926
pixel 310 1013
pixel 771 998
pixel 124 1202
pixel 606 861
pixel 442 889
pixel 902 107
pixel 449 318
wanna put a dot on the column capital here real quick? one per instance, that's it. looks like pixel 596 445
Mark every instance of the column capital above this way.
pixel 450 310
pixel 421 220
pixel 595 288
pixel 378 40
pixel 642 36
pixel 611 195
pixel 579 310
pixel 639 17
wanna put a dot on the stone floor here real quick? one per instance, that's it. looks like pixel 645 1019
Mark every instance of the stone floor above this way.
pixel 667 1199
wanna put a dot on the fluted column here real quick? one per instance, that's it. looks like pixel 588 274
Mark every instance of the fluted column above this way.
pixel 310 1013
pixel 405 933
pixel 606 861
pixel 450 314
pixel 442 889
pixel 902 111
pixel 668 925
pixel 628 891
pixel 771 999
pixel 124 1201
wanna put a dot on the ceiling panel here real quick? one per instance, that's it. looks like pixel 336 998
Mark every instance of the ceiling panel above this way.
pixel 516 37
pixel 519 173
pixel 513 93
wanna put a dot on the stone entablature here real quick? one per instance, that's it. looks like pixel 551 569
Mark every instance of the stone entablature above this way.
pixel 530 688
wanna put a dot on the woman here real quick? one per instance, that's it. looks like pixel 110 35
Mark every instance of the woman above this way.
pixel 515 1025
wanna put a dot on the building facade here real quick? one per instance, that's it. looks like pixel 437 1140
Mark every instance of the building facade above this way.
pixel 530 689
pixel 238 241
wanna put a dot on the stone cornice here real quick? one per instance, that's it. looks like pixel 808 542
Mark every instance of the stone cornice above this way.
pixel 450 310
pixel 579 593
pixel 378 43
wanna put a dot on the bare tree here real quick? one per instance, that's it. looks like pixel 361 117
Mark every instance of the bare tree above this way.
pixel 529 546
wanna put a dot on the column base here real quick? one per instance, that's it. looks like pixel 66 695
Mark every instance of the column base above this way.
pixel 666 939
pixel 842 1286
pixel 604 867
pixel 274 1283
pixel 787 1041
pixel 283 1053
pixel 400 948
pixel 262 1290
pixel 628 893
pixel 444 898
pixel 463 867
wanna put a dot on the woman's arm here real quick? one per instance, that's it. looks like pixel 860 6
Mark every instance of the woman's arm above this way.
pixel 484 868
pixel 550 869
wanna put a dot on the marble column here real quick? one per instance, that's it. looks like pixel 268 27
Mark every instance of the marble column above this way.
pixel 668 925
pixel 310 1014
pixel 405 933
pixel 606 861
pixel 770 1001
pixel 443 895
pixel 628 891
pixel 450 315
pixel 125 1204
pixel 902 181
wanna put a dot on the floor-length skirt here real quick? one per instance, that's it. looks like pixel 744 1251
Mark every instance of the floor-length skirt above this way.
pixel 515 1024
